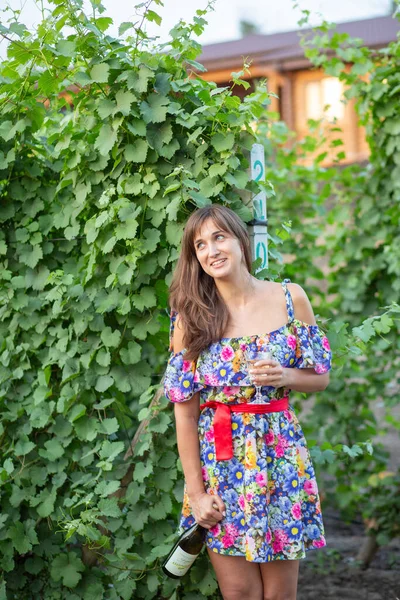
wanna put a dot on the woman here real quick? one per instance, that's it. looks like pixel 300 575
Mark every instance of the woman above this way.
pixel 249 477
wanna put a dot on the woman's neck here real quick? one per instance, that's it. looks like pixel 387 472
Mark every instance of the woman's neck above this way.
pixel 238 291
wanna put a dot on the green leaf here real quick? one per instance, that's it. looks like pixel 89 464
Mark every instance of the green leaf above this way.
pixel 362 67
pixel 125 25
pixel 145 299
pixel 354 451
pixel 165 480
pixel 198 66
pixel 110 338
pixel 109 426
pixel 172 187
pixel 168 460
pixel 109 245
pixel 23 446
pixel 8 466
pixel 68 567
pixel 76 412
pixel 103 383
pixel 46 83
pixel 105 140
pixel 174 233
pixel 100 73
pixel 150 15
pixel 222 142
pixel 103 357
pixel 5 128
pixel 133 185
pixel 66 48
pixel 87 428
pixel 131 354
pixel 105 108
pixel 105 488
pixel 139 80
pixel 30 255
pixel 103 23
pixel 82 78
pixel 53 450
pixel 137 127
pixel 152 237
pixel 109 507
pixel 155 109
pixel 160 423
pixel 365 332
pixel 110 450
pixel 33 566
pixel 127 230
pixel 136 152
pixel 199 199
pixel 104 403
pixel 19 539
pixel 142 470
pixel 208 584
pixel 47 500
pixel 124 100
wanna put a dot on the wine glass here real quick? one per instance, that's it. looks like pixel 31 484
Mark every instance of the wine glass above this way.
pixel 252 356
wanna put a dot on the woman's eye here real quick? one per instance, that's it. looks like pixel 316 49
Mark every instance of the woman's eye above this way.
pixel 220 236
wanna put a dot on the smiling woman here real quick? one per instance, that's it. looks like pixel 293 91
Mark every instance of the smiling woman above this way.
pixel 215 244
pixel 249 476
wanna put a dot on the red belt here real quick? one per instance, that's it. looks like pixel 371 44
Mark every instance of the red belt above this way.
pixel 223 424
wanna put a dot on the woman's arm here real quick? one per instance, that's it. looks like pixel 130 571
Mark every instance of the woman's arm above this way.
pixel 186 418
pixel 299 380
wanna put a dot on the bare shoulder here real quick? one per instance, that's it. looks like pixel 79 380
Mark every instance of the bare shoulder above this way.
pixel 271 288
pixel 177 338
pixel 302 306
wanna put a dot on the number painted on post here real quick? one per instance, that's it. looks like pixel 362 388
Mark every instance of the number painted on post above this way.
pixel 261 252
pixel 258 165
pixel 258 204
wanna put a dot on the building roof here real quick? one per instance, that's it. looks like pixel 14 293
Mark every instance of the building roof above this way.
pixel 283 50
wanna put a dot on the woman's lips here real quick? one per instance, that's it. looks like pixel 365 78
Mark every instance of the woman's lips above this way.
pixel 219 263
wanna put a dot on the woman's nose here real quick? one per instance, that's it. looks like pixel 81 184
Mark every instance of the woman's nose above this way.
pixel 213 250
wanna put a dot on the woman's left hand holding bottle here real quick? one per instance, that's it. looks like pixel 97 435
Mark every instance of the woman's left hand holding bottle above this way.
pixel 207 509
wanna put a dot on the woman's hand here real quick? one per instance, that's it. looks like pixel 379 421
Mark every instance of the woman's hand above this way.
pixel 270 372
pixel 207 510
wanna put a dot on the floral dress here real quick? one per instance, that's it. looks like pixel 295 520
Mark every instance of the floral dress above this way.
pixel 269 489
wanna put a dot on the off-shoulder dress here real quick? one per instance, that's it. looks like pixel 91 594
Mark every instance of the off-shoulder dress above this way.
pixel 269 488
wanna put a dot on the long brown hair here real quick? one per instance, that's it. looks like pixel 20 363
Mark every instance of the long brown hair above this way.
pixel 193 293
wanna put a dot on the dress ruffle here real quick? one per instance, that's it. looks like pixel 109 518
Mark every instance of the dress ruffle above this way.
pixel 314 349
pixel 295 344
pixel 181 379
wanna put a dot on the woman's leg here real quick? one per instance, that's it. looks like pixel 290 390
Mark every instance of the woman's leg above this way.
pixel 238 579
pixel 279 579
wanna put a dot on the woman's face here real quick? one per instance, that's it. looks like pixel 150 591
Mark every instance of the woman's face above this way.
pixel 218 252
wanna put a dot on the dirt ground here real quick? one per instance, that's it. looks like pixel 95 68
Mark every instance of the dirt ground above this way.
pixel 331 573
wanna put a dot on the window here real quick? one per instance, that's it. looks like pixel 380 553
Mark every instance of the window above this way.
pixel 327 92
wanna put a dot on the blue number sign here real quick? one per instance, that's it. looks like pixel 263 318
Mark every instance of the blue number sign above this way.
pixel 258 230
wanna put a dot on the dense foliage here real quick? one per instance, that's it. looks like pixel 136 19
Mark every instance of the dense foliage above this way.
pixel 105 148
pixel 346 233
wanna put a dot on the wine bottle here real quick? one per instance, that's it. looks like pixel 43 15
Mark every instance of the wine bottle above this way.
pixel 185 552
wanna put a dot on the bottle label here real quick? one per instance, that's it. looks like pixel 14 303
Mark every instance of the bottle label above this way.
pixel 180 561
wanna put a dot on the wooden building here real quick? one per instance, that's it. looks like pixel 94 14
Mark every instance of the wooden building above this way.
pixel 302 90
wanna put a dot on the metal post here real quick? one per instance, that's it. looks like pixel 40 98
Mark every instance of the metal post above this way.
pixel 258 226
